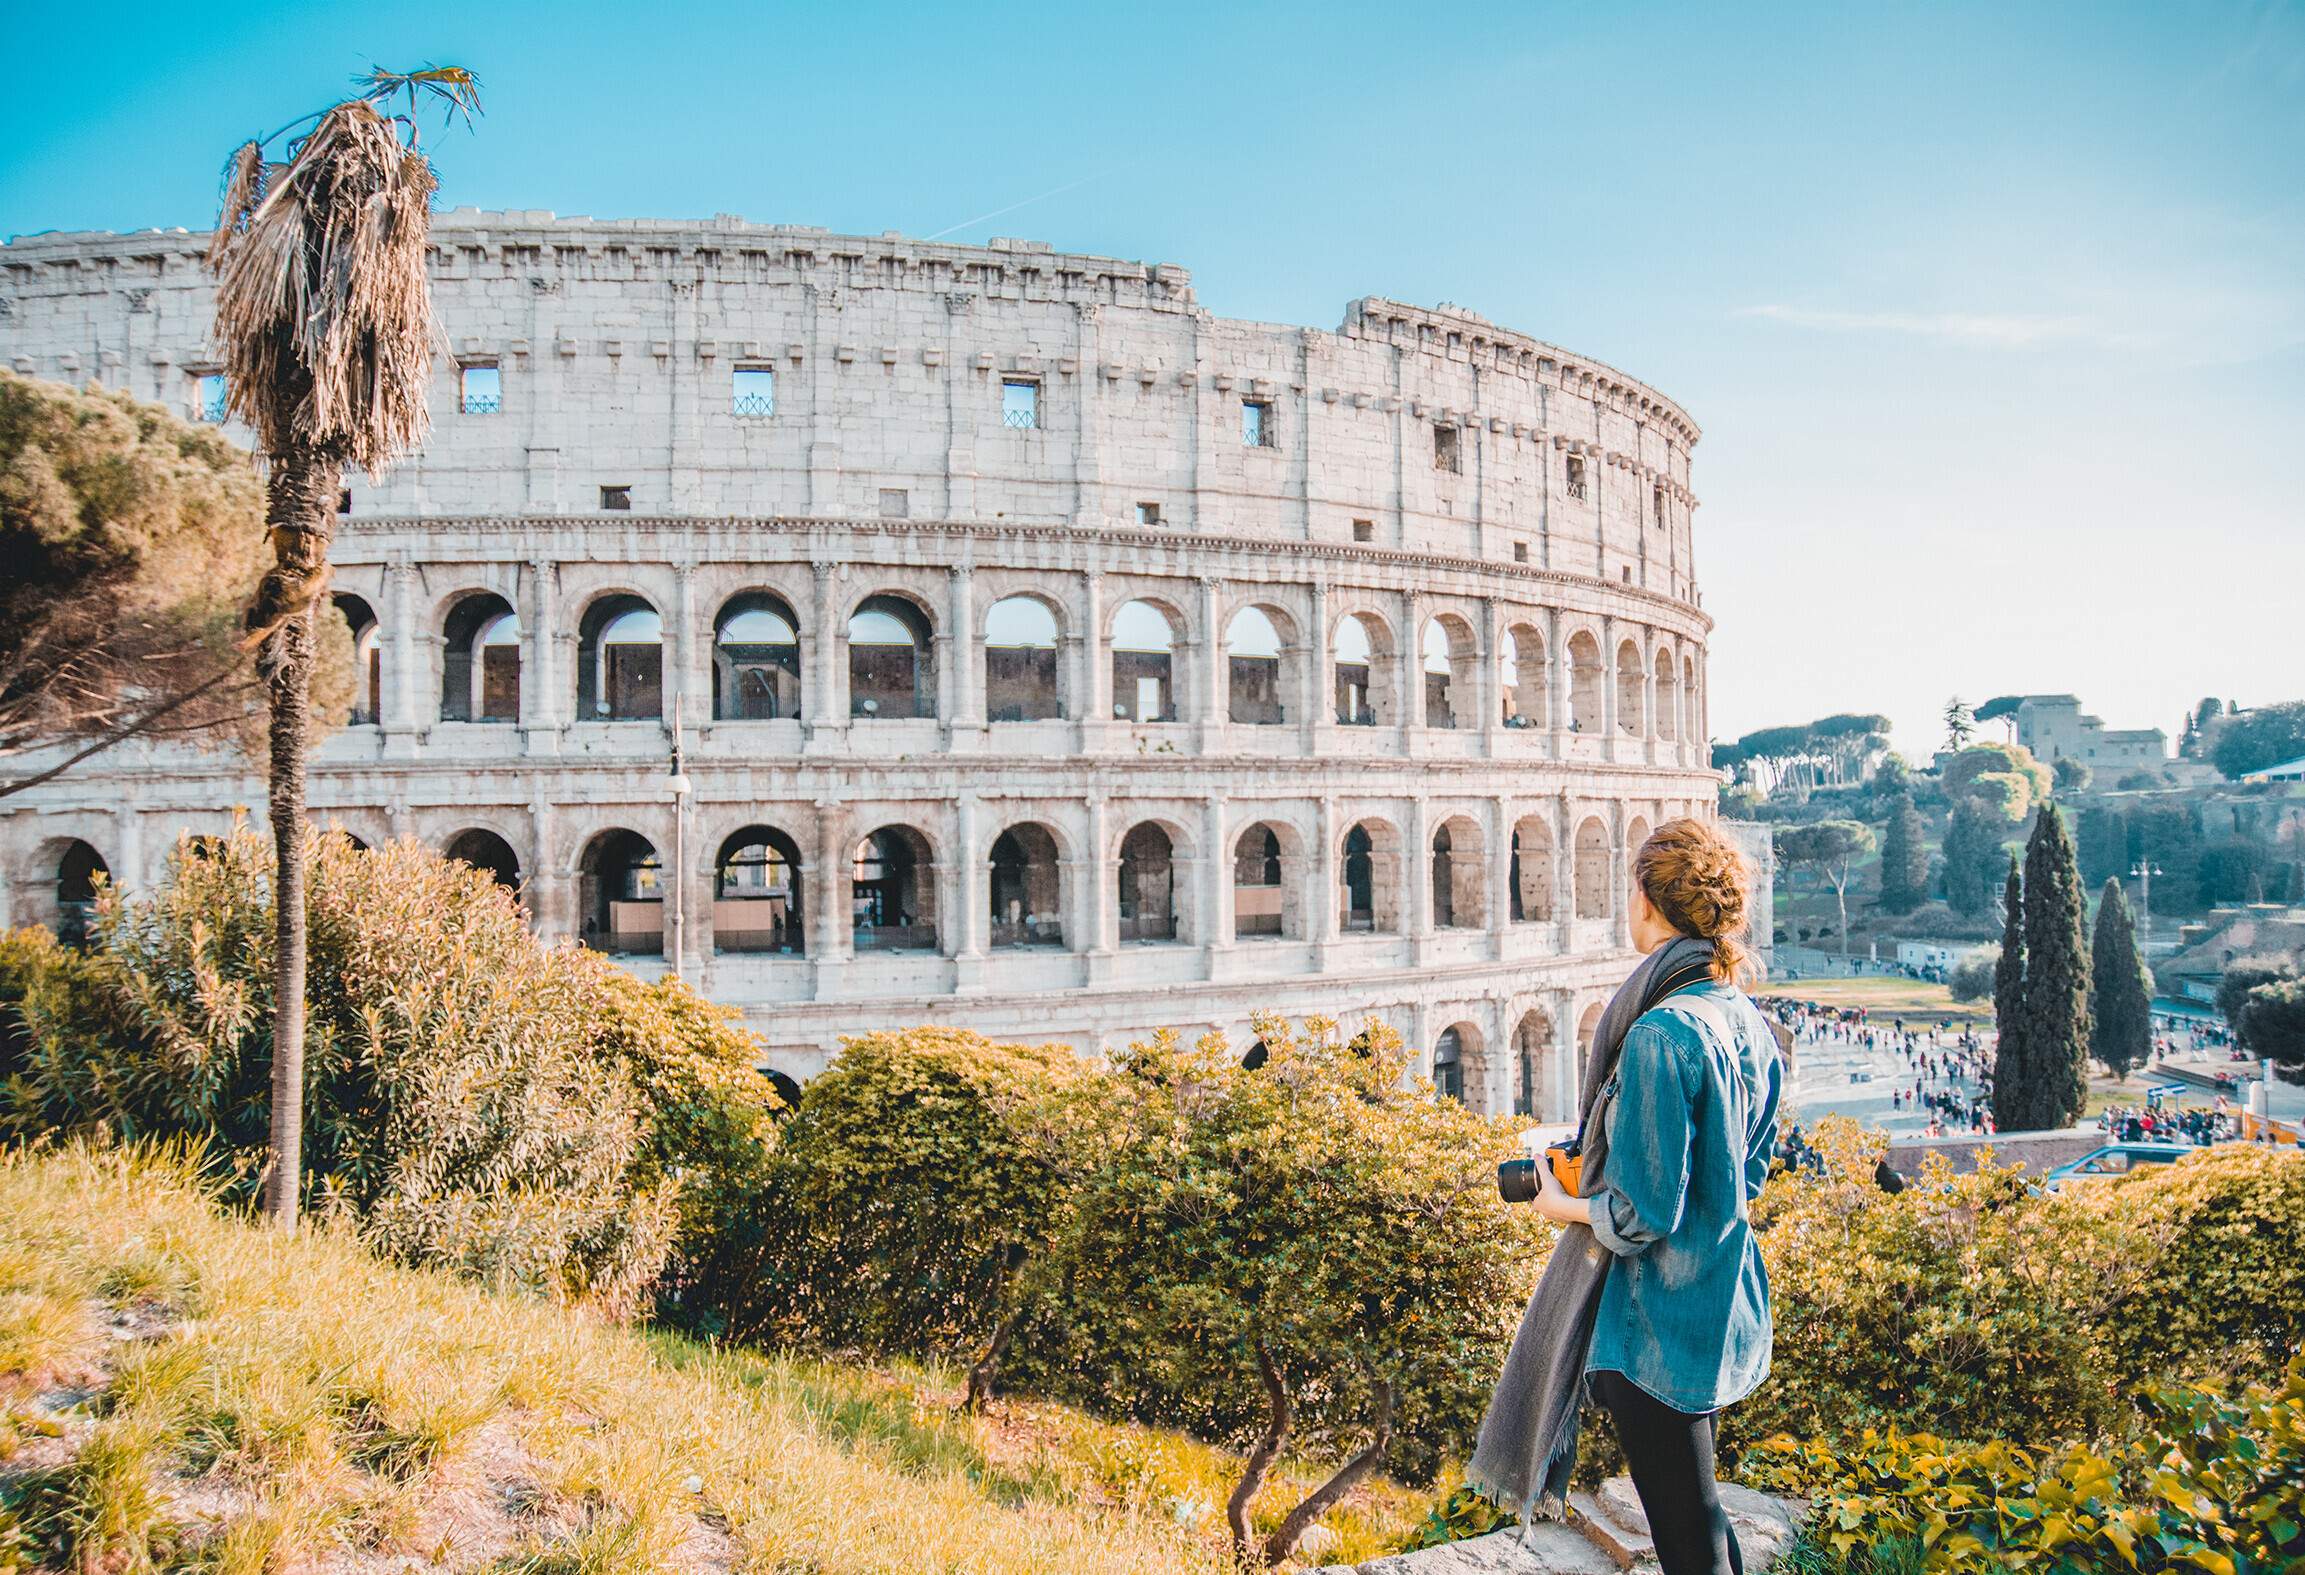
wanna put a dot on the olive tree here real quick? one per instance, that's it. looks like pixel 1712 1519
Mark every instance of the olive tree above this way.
pixel 1832 849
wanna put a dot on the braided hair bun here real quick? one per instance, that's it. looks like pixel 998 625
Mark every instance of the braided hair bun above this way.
pixel 1702 885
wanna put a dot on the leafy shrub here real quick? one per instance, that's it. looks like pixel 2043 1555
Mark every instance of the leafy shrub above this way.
pixel 1973 980
pixel 473 1094
pixel 2212 1485
pixel 913 1201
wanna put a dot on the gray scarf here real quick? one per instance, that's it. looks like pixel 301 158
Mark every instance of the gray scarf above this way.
pixel 1528 1441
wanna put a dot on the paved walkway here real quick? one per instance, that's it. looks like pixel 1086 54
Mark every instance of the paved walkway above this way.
pixel 1833 1076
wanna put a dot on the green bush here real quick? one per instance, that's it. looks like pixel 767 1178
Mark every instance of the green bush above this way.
pixel 2212 1483
pixel 473 1096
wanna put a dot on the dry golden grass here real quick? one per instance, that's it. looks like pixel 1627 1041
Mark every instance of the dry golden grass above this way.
pixel 185 1390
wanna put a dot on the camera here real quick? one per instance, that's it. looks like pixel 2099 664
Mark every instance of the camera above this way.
pixel 1517 1178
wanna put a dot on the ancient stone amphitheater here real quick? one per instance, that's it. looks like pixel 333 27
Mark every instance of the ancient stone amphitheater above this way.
pixel 884 632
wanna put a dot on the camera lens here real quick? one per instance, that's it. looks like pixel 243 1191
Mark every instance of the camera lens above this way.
pixel 1517 1180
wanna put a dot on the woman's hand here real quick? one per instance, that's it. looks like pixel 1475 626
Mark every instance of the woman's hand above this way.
pixel 1553 1200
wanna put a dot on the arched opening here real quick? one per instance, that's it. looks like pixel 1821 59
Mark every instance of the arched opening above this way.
pixel 1448 650
pixel 1253 668
pixel 1361 654
pixel 1521 676
pixel 891 665
pixel 1020 670
pixel 1369 879
pixel 1587 1026
pixel 1586 709
pixel 1668 700
pixel 1457 1064
pixel 756 660
pixel 1027 892
pixel 1147 894
pixel 620 661
pixel 1532 1065
pixel 786 1090
pixel 1266 882
pixel 1592 871
pixel 1636 834
pixel 1694 727
pixel 1532 871
pixel 1630 671
pixel 1460 876
pixel 1258 1054
pixel 78 871
pixel 480 661
pixel 620 893
pixel 489 853
pixel 892 892
pixel 367 659
pixel 1143 664
pixel 756 903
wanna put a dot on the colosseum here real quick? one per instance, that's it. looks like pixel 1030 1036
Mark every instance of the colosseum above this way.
pixel 878 631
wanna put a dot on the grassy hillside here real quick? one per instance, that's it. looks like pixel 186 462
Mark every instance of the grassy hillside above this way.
pixel 183 1389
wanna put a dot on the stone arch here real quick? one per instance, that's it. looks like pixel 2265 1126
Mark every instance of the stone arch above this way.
pixel 1023 680
pixel 1586 675
pixel 1694 725
pixel 1668 699
pixel 1460 874
pixel 1521 675
pixel 1533 1063
pixel 1026 887
pixel 1631 706
pixel 620 894
pixel 480 660
pixel 367 658
pixel 1144 638
pixel 489 852
pixel 1148 898
pixel 1260 664
pixel 892 890
pixel 891 658
pixel 76 871
pixel 1447 650
pixel 756 662
pixel 1268 881
pixel 1532 870
pixel 786 1090
pixel 1460 1070
pixel 1588 1024
pixel 1366 669
pixel 1369 878
pixel 757 893
pixel 1592 868
pixel 620 660
pixel 1637 833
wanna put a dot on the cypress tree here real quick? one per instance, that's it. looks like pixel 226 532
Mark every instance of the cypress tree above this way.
pixel 2012 1079
pixel 1904 859
pixel 2056 973
pixel 2120 990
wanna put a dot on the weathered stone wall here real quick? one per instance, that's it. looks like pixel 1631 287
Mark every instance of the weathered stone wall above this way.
pixel 887 469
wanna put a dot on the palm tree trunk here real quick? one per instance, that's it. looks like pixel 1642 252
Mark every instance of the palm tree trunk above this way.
pixel 301 506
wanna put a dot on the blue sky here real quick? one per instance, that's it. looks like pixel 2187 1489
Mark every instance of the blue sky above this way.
pixel 1993 314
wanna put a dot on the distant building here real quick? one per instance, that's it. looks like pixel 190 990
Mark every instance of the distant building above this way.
pixel 2227 935
pixel 2054 727
pixel 1937 959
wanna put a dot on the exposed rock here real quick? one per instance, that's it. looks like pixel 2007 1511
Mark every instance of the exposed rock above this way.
pixel 1605 1533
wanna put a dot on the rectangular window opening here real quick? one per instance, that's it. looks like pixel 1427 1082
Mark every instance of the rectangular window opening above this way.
pixel 209 395
pixel 1364 530
pixel 1657 501
pixel 1148 514
pixel 1020 404
pixel 1447 455
pixel 1256 423
pixel 344 501
pixel 752 391
pixel 895 503
pixel 619 498
pixel 1520 552
pixel 480 389
pixel 1576 472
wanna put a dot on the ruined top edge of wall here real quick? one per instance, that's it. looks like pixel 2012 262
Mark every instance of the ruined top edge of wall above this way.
pixel 1445 331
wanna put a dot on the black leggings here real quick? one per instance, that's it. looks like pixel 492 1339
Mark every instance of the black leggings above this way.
pixel 1670 1454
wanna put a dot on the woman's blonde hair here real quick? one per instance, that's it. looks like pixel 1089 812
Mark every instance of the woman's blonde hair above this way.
pixel 1702 885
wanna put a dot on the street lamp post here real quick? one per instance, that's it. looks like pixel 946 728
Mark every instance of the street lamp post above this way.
pixel 2145 870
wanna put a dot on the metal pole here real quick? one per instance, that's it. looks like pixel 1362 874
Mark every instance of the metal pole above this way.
pixel 676 927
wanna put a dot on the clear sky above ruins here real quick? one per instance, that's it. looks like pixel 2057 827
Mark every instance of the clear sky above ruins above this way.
pixel 1994 315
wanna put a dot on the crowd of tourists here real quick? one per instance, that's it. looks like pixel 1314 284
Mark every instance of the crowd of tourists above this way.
pixel 1951 1075
pixel 2154 1123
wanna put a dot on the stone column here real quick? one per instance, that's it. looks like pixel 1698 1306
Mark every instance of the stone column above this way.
pixel 129 875
pixel 1564 869
pixel 1216 887
pixel 541 682
pixel 1417 871
pixel 1500 876
pixel 960 659
pixel 692 680
pixel 547 889
pixel 828 895
pixel 1648 705
pixel 403 684
pixel 1487 695
pixel 1099 933
pixel 1558 679
pixel 1318 705
pixel 965 939
pixel 1411 702
pixel 1213 698
pixel 1608 687
pixel 826 718
pixel 1093 686
pixel 1620 877
pixel 1560 1090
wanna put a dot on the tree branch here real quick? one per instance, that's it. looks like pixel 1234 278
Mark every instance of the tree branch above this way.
pixel 1348 1476
pixel 120 734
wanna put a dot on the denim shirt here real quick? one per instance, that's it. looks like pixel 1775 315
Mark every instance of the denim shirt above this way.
pixel 1685 1311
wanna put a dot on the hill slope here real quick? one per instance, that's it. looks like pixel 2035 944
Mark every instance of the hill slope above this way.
pixel 181 1388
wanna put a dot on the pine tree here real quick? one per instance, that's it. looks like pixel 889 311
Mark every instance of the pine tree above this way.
pixel 2120 990
pixel 2056 974
pixel 2012 1078
pixel 1904 859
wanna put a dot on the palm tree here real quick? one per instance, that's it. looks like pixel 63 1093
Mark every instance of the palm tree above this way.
pixel 324 315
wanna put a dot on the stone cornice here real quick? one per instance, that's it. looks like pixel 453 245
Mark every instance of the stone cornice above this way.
pixel 1121 536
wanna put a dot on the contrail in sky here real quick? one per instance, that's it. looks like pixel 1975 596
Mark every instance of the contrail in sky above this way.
pixel 1012 207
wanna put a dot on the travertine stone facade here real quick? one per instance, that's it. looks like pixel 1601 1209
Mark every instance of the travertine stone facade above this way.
pixel 796 490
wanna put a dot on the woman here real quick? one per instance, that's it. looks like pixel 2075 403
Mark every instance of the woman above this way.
pixel 1661 1312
